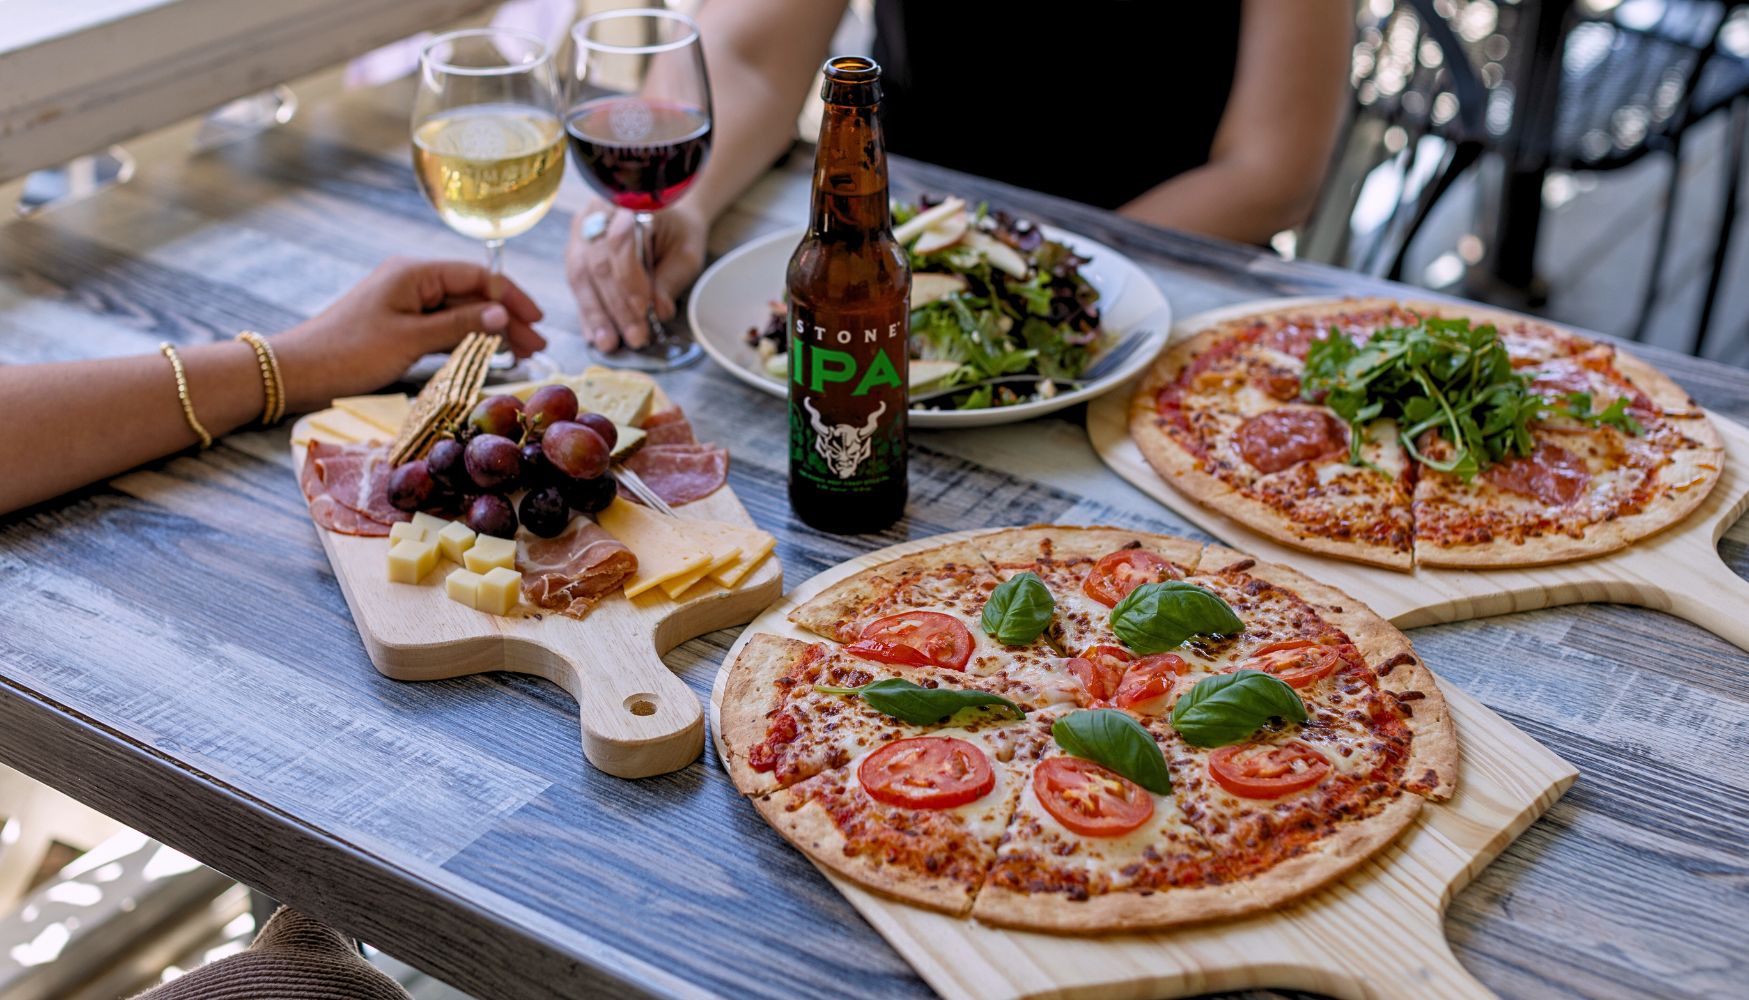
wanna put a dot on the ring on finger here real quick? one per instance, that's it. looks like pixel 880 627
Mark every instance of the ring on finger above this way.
pixel 594 226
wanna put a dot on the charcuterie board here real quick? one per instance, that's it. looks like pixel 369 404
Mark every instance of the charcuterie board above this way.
pixel 1376 933
pixel 637 719
pixel 1677 570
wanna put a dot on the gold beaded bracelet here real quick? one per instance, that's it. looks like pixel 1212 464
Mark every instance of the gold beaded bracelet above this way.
pixel 272 384
pixel 169 350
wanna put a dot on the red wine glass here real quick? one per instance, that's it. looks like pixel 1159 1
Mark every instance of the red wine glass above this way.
pixel 639 125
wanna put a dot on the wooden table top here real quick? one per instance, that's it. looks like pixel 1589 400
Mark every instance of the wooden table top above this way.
pixel 174 649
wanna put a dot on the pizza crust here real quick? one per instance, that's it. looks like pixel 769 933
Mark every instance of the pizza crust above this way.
pixel 1011 546
pixel 748 698
pixel 1112 912
pixel 835 612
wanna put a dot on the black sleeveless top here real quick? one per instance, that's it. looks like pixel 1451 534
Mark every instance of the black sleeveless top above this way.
pixel 1098 102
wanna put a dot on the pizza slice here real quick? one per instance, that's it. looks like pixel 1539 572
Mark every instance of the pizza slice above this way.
pixel 1088 571
pixel 916 818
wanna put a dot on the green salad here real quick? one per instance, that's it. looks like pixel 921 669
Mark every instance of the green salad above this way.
pixel 990 297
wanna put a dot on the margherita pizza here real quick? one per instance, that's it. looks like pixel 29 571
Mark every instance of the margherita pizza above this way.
pixel 1082 730
pixel 1570 449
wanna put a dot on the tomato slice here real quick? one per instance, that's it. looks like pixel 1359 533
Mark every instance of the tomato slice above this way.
pixel 1100 670
pixel 1089 799
pixel 916 639
pixel 1117 573
pixel 1299 662
pixel 1262 771
pixel 1147 680
pixel 927 772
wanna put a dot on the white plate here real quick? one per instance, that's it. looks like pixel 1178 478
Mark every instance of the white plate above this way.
pixel 734 295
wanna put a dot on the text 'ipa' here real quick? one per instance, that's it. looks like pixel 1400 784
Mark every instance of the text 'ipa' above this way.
pixel 849 320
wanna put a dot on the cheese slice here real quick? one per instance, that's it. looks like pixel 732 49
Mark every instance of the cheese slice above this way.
pixel 310 433
pixel 347 427
pixel 722 554
pixel 384 412
pixel 754 546
pixel 664 550
pixel 621 396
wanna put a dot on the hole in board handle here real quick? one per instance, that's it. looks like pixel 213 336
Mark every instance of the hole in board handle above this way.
pixel 641 704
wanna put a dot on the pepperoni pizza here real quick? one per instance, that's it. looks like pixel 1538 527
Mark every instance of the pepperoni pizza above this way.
pixel 1225 418
pixel 992 811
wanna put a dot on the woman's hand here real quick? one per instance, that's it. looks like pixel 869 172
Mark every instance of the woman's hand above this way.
pixel 404 310
pixel 613 292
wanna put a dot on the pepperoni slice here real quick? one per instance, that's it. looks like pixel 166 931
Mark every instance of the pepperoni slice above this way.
pixel 1261 771
pixel 916 639
pixel 927 772
pixel 1285 437
pixel 1149 680
pixel 1298 662
pixel 1551 474
pixel 1117 573
pixel 1089 799
pixel 1284 386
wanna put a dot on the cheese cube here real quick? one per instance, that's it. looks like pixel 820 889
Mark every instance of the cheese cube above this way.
pixel 489 553
pixel 622 397
pixel 408 530
pixel 410 560
pixel 499 591
pixel 455 539
pixel 429 524
pixel 463 587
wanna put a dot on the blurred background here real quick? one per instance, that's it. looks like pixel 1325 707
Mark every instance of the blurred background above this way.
pixel 1579 159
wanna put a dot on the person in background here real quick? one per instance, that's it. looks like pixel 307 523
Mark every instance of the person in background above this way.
pixel 108 415
pixel 1215 118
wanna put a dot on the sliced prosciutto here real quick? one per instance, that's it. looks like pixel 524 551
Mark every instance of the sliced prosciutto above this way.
pixel 347 487
pixel 680 473
pixel 573 571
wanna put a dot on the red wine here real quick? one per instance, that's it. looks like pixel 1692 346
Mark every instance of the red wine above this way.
pixel 637 153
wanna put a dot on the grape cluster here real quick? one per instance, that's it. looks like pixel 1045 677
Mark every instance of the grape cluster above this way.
pixel 544 447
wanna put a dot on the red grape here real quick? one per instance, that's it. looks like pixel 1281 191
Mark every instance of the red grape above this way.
pixel 491 514
pixel 410 485
pixel 493 462
pixel 550 404
pixel 545 512
pixel 590 496
pixel 575 450
pixel 602 426
pixel 497 415
pixel 536 470
pixel 447 466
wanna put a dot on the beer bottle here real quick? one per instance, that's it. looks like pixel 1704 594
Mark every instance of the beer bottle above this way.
pixel 849 319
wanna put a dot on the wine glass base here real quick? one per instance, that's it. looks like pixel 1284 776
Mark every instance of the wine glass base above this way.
pixel 665 356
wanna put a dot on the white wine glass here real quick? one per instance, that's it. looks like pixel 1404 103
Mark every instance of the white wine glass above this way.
pixel 488 147
pixel 638 113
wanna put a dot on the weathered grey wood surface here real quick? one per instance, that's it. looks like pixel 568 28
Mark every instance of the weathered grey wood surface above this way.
pixel 174 649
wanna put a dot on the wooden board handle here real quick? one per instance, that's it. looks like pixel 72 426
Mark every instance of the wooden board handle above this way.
pixel 637 719
pixel 1431 973
pixel 1715 598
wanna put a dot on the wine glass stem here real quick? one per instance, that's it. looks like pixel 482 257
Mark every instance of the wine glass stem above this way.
pixel 646 253
pixel 495 256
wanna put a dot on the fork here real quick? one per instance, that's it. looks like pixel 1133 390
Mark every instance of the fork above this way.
pixel 640 489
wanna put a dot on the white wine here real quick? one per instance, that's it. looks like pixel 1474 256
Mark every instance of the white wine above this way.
pixel 490 170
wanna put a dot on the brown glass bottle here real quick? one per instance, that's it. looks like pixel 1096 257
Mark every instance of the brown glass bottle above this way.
pixel 849 319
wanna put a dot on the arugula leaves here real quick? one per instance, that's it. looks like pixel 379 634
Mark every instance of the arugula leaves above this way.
pixel 1227 708
pixel 1109 737
pixel 1018 609
pixel 1442 375
pixel 1156 617
pixel 921 706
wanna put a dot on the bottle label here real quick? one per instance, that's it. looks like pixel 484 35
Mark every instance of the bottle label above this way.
pixel 847 401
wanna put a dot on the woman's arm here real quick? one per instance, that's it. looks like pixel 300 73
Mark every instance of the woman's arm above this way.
pixel 1279 127
pixel 76 422
pixel 761 55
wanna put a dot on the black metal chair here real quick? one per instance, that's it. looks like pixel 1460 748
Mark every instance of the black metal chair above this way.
pixel 1418 114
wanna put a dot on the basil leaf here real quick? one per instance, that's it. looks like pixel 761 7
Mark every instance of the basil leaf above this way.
pixel 1019 609
pixel 1228 708
pixel 1110 737
pixel 919 705
pixel 1156 617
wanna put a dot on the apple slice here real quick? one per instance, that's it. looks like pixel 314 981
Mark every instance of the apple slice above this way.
pixel 923 220
pixel 1001 256
pixel 942 233
pixel 933 286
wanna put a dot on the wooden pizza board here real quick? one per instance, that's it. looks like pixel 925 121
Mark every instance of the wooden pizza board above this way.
pixel 637 718
pixel 1376 934
pixel 1676 570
